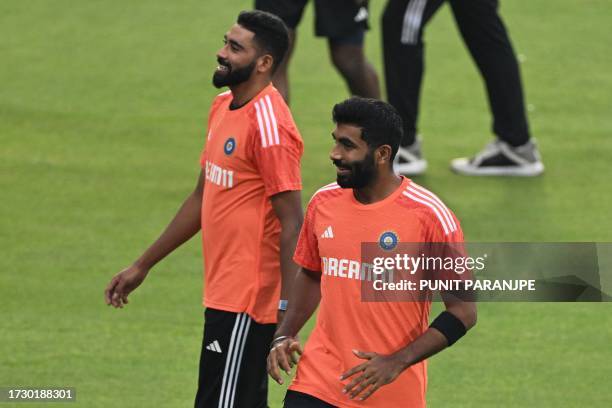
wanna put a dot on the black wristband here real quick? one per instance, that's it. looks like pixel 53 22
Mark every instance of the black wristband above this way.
pixel 450 326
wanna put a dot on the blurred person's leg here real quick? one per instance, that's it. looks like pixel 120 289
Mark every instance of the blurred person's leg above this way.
pixel 347 55
pixel 290 11
pixel 280 79
pixel 489 44
pixel 513 153
pixel 344 23
pixel 403 24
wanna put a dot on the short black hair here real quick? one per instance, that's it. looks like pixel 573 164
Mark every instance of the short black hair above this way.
pixel 379 122
pixel 271 34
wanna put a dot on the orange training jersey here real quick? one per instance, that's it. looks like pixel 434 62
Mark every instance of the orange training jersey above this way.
pixel 251 154
pixel 330 242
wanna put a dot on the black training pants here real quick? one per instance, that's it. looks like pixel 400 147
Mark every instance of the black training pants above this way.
pixel 487 40
pixel 233 361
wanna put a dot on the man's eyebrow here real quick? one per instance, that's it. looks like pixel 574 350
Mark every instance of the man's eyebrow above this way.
pixel 343 139
pixel 233 42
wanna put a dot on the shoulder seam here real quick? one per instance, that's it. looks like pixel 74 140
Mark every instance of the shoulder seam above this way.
pixel 327 187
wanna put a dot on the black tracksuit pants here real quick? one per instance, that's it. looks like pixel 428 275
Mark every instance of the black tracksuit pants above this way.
pixel 487 40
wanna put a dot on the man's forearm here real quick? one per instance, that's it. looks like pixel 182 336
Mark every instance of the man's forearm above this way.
pixel 184 225
pixel 432 340
pixel 303 301
pixel 288 239
pixel 426 345
pixel 287 206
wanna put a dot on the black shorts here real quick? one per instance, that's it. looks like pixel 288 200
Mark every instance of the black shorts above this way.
pixel 295 399
pixel 233 361
pixel 343 21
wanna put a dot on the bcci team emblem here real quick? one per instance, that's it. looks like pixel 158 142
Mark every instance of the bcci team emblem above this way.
pixel 388 240
pixel 230 145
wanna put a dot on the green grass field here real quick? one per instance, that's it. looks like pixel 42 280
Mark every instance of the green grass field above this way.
pixel 102 113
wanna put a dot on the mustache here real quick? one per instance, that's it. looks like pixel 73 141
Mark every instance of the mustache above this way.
pixel 341 165
pixel 223 62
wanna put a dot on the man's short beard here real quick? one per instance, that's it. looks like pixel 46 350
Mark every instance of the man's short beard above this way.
pixel 234 76
pixel 362 173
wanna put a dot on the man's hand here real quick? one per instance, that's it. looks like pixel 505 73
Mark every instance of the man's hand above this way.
pixel 284 354
pixel 117 291
pixel 377 371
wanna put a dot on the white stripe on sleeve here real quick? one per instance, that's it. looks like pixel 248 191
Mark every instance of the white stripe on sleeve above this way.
pixel 261 128
pixel 447 216
pixel 267 122
pixel 273 117
pixel 431 206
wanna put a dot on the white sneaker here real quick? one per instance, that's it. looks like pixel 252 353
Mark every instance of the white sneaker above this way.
pixel 500 159
pixel 408 160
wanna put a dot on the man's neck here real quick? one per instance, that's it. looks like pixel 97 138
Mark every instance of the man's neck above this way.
pixel 246 91
pixel 380 188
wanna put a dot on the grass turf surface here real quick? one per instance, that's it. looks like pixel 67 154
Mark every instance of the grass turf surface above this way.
pixel 102 114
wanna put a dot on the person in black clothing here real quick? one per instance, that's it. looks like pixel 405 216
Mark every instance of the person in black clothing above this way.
pixel 344 24
pixel 513 152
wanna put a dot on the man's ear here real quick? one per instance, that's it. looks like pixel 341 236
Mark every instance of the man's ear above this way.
pixel 383 154
pixel 264 63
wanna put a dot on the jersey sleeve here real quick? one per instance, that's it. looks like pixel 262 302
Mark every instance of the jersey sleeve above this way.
pixel 278 149
pixel 447 243
pixel 307 248
pixel 452 233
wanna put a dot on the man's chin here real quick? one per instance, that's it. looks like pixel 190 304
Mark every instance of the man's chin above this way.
pixel 219 81
pixel 344 181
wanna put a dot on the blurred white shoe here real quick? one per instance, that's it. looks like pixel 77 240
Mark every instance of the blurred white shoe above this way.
pixel 408 160
pixel 500 159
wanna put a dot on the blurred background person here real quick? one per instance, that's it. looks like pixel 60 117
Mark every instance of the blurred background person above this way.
pixel 343 23
pixel 513 152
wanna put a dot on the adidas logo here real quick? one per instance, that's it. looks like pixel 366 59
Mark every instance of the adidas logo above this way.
pixel 362 15
pixel 329 233
pixel 214 346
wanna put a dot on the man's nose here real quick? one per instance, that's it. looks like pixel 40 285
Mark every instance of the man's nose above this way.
pixel 334 154
pixel 222 54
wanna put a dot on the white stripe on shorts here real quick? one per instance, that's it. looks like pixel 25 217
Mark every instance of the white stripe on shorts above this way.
pixel 412 21
pixel 237 341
